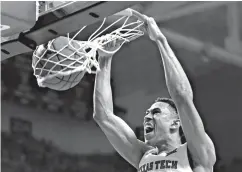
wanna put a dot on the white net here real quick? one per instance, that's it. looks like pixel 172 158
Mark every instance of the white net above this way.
pixel 64 56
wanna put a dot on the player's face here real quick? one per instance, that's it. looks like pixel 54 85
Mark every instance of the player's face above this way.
pixel 157 122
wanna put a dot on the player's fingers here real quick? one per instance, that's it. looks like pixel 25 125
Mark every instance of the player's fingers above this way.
pixel 152 20
pixel 113 43
pixel 140 16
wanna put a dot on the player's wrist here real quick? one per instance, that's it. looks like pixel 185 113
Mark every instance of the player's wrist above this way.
pixel 160 37
pixel 105 56
pixel 105 61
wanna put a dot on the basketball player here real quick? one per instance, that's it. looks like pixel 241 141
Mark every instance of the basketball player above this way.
pixel 162 149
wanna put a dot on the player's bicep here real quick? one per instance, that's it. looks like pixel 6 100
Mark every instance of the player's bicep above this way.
pixel 122 138
pixel 199 143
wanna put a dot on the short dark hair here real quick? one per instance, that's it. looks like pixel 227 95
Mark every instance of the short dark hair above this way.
pixel 169 101
pixel 173 105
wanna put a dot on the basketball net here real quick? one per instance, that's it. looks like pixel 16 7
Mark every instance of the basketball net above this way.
pixel 81 60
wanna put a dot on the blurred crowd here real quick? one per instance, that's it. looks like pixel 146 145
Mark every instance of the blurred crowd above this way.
pixel 19 85
pixel 23 153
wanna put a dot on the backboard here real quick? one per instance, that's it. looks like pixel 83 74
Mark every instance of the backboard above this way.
pixel 64 18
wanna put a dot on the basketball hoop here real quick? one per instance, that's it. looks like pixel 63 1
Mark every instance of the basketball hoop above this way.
pixel 53 61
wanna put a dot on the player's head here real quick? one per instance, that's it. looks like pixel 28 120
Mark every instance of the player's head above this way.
pixel 161 121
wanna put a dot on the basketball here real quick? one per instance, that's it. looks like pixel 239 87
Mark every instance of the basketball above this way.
pixel 52 63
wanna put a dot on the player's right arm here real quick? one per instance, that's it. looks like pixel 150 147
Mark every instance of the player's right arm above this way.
pixel 120 135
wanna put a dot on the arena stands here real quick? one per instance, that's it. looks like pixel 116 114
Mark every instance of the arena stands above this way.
pixel 27 154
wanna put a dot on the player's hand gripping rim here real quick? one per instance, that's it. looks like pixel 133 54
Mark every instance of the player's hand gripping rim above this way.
pixel 150 26
pixel 109 43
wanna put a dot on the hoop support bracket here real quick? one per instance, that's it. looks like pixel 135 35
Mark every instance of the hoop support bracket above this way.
pixel 27 42
pixel 83 15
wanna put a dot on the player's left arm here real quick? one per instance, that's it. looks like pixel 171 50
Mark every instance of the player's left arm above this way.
pixel 199 143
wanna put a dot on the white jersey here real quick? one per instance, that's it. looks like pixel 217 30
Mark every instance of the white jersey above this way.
pixel 174 161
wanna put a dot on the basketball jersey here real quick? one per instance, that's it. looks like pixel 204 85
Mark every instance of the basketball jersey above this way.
pixel 174 161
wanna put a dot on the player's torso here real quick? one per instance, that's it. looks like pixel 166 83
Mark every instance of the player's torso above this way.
pixel 175 161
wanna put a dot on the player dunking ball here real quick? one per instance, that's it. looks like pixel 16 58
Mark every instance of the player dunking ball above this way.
pixel 162 150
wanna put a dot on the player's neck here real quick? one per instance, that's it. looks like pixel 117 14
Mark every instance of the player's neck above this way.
pixel 168 145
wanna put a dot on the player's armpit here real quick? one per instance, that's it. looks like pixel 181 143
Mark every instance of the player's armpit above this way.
pixel 122 138
pixel 199 143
